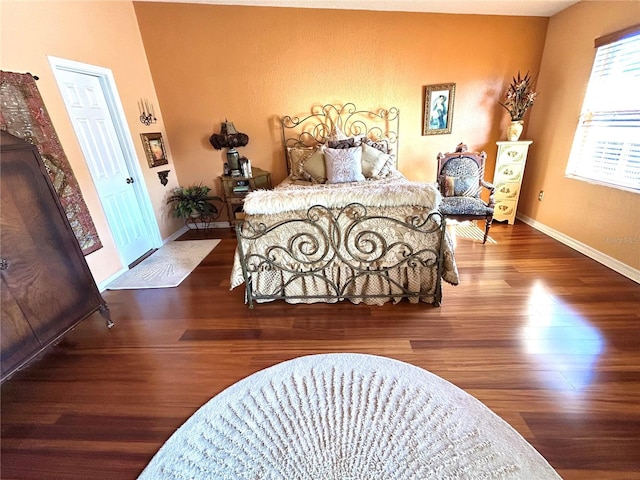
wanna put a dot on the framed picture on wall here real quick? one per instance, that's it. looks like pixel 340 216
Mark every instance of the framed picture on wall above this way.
pixel 154 149
pixel 438 108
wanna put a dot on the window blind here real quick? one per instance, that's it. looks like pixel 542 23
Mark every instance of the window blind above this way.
pixel 606 146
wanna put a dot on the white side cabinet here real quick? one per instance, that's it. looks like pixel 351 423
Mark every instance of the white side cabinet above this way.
pixel 510 162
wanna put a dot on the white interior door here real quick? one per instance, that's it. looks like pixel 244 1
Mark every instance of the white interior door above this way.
pixel 86 96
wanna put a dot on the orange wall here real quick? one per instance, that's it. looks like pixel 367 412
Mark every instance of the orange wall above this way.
pixel 605 219
pixel 254 64
pixel 200 64
pixel 98 33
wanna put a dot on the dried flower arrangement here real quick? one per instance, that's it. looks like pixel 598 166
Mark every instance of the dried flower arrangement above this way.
pixel 519 97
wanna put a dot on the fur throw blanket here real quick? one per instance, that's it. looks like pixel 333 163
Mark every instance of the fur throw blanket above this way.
pixel 396 191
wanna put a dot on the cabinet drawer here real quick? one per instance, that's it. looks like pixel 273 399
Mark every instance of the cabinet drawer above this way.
pixel 509 173
pixel 513 153
pixel 504 209
pixel 507 191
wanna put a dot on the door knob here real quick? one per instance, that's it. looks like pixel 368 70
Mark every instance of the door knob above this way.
pixel 4 264
pixel 129 180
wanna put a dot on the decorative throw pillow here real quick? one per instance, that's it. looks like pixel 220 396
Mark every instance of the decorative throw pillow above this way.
pixel 382 144
pixel 344 143
pixel 343 164
pixel 388 167
pixel 373 160
pixel 336 134
pixel 313 167
pixel 296 157
pixel 337 139
pixel 460 186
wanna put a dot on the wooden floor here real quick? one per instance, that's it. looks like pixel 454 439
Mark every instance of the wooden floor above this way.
pixel 545 337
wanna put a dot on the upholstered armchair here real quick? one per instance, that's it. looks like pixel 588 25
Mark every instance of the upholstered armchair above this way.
pixel 461 180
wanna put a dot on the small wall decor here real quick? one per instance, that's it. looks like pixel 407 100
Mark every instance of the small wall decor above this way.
pixel 438 108
pixel 163 175
pixel 147 115
pixel 154 149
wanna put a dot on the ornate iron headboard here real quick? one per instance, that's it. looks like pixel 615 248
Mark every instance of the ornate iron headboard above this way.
pixel 314 129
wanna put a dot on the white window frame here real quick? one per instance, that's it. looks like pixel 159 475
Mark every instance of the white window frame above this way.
pixel 606 145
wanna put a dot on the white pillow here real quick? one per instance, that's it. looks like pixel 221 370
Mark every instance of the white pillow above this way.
pixel 343 164
pixel 383 144
pixel 373 160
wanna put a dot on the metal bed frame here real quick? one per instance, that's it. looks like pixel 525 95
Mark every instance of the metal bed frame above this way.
pixel 323 235
pixel 314 129
pixel 315 250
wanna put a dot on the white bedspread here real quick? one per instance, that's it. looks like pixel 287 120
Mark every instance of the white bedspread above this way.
pixel 393 191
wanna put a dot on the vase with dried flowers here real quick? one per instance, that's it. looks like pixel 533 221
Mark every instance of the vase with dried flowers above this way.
pixel 519 98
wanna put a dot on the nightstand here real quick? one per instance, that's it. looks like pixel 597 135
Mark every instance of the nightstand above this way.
pixel 235 188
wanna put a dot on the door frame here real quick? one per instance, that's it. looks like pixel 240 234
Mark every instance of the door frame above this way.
pixel 119 119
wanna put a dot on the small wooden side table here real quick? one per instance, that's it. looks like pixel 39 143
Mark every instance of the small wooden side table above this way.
pixel 235 188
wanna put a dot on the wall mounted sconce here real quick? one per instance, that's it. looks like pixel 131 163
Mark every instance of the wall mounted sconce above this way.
pixel 163 175
pixel 147 116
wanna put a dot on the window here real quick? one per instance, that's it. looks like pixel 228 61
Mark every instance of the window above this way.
pixel 606 146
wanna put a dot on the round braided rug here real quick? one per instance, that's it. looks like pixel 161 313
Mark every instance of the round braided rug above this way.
pixel 346 416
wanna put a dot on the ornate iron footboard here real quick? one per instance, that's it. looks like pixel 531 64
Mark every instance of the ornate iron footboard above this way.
pixel 341 251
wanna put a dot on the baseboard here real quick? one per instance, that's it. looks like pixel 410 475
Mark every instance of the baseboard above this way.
pixel 185 229
pixel 175 235
pixel 213 225
pixel 102 286
pixel 598 256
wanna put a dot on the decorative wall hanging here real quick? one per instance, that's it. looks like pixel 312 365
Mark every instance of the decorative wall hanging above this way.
pixel 24 115
pixel 438 108
pixel 154 149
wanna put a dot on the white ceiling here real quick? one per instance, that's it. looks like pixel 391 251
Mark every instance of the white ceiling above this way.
pixel 535 8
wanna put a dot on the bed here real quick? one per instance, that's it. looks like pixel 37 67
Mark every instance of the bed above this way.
pixel 345 224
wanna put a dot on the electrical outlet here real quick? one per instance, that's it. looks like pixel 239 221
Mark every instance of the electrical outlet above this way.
pixel 541 195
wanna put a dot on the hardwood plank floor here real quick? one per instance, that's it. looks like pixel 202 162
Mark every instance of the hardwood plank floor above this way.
pixel 545 337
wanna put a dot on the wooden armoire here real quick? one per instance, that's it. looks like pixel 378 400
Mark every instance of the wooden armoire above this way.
pixel 46 286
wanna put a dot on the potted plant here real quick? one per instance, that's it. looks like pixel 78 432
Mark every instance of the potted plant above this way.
pixel 193 201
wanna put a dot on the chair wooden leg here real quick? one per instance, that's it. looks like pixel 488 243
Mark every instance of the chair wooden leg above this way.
pixel 486 228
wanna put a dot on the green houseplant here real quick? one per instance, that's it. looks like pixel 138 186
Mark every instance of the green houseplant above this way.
pixel 193 201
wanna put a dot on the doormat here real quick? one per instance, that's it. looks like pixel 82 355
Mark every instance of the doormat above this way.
pixel 166 267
